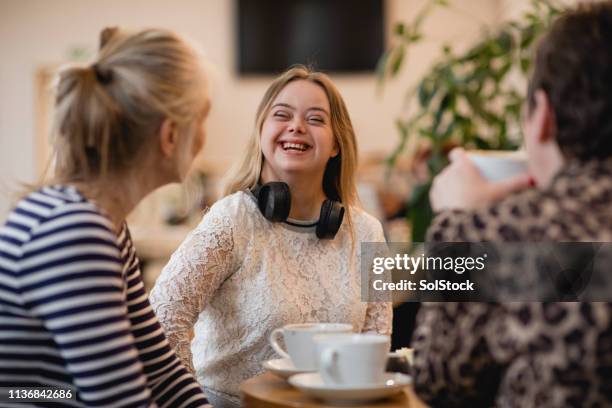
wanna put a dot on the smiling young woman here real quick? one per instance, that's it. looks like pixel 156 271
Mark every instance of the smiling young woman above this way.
pixel 240 274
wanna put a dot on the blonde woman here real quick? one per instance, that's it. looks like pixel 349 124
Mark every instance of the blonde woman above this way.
pixel 239 275
pixel 73 311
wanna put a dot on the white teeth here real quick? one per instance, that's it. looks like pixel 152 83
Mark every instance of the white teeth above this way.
pixel 295 146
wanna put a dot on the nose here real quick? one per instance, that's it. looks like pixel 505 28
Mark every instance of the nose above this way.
pixel 296 126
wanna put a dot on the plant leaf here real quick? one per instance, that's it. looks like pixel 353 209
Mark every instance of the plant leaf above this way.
pixel 525 64
pixel 400 28
pixel 420 212
pixel 381 69
pixel 415 37
pixel 396 59
pixel 426 92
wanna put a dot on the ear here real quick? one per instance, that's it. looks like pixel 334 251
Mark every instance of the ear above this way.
pixel 168 138
pixel 544 117
pixel 336 149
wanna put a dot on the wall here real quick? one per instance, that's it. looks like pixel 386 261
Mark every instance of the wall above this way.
pixel 35 33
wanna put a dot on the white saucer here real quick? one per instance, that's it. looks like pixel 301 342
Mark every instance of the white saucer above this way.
pixel 282 367
pixel 312 384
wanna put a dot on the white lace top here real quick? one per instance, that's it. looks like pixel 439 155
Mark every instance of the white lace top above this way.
pixel 237 276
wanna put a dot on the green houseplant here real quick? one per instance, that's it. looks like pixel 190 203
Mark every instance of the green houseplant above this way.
pixel 471 99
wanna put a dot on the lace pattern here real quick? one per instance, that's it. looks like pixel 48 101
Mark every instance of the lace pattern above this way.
pixel 237 277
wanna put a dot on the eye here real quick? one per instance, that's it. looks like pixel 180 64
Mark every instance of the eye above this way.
pixel 316 119
pixel 281 114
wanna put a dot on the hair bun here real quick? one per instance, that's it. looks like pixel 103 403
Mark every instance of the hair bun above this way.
pixel 106 35
pixel 103 75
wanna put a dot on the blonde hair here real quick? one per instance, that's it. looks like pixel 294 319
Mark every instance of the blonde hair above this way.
pixel 106 113
pixel 339 176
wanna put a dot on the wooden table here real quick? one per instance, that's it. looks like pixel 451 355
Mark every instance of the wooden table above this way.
pixel 268 390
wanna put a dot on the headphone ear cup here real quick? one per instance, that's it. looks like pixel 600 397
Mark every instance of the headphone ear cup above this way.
pixel 330 219
pixel 274 201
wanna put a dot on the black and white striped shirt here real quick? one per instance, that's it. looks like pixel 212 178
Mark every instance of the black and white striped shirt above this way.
pixel 74 311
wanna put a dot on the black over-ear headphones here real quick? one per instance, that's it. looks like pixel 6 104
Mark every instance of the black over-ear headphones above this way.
pixel 274 202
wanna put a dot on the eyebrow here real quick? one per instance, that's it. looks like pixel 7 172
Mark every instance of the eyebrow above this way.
pixel 286 105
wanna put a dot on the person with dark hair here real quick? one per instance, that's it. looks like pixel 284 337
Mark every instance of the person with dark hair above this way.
pixel 74 314
pixel 532 354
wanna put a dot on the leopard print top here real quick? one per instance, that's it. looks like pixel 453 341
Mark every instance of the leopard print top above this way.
pixel 522 354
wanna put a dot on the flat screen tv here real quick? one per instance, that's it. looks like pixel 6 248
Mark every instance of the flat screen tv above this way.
pixel 329 35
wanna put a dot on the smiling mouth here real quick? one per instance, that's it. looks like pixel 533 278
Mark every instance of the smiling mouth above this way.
pixel 300 147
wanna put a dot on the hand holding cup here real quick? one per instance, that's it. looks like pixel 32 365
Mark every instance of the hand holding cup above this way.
pixel 463 184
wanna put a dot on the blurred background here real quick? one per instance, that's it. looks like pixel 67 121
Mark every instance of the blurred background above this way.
pixel 246 43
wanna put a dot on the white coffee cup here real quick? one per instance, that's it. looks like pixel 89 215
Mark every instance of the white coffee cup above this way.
pixel 496 165
pixel 352 359
pixel 300 346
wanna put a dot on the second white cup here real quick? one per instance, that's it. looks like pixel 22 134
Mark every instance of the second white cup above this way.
pixel 352 359
pixel 299 341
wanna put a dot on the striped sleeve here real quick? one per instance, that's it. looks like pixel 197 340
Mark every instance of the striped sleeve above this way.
pixel 71 279
pixel 171 384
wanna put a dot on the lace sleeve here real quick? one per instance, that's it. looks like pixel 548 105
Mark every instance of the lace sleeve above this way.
pixel 195 271
pixel 378 318
pixel 379 315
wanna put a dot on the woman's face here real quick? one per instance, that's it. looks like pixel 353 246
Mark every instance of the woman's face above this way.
pixel 296 135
